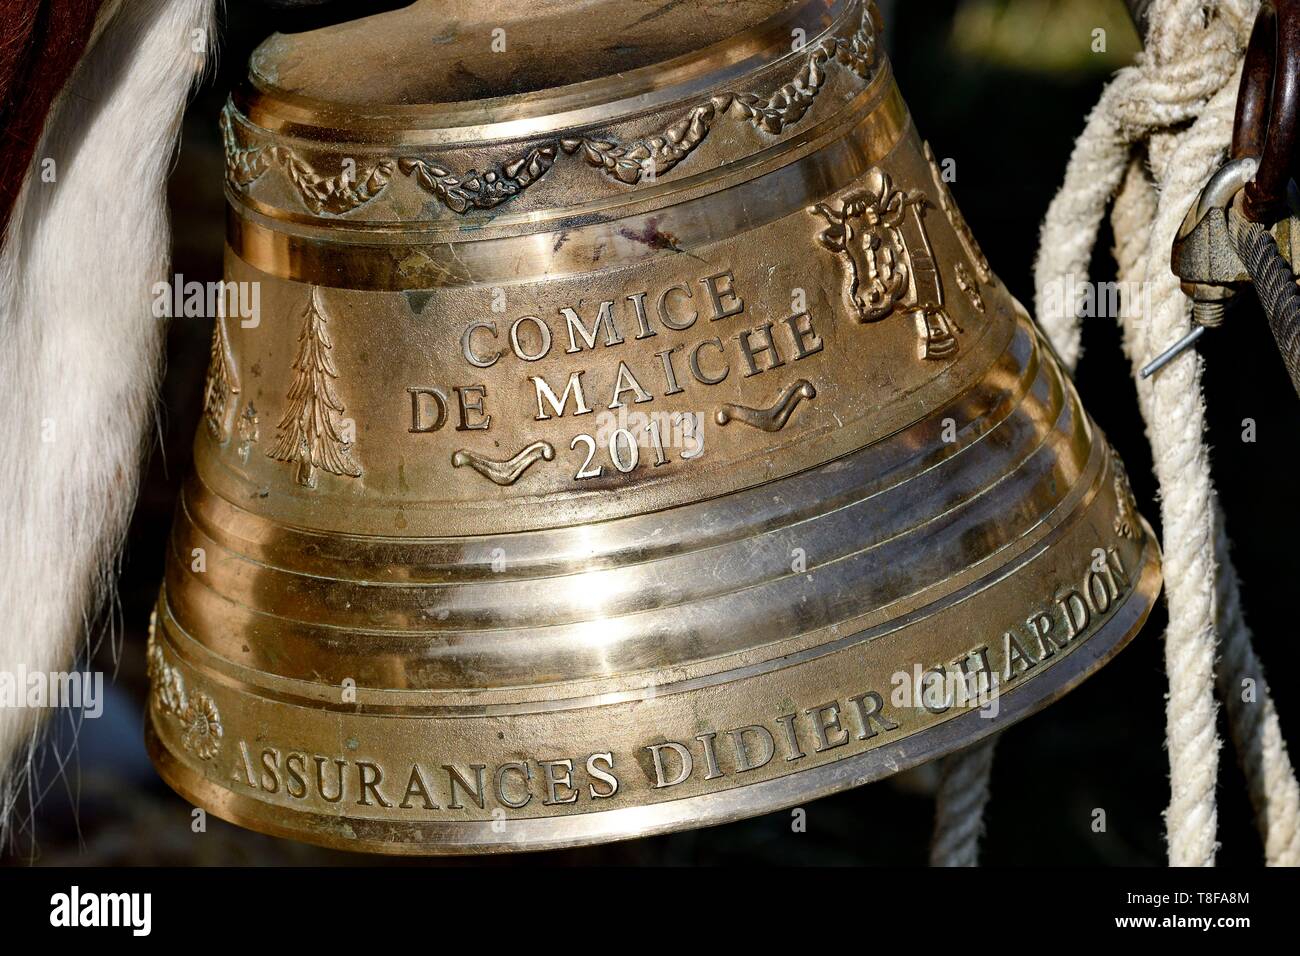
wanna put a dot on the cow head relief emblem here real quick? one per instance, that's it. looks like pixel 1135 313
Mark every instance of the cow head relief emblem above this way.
pixel 879 233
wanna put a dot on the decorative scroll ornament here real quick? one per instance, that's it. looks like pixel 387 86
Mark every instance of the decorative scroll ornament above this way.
pixel 334 194
pixel 655 155
pixel 966 282
pixel 309 430
pixel 352 187
pixel 771 419
pixel 880 234
pixel 201 728
pixel 477 190
pixel 248 431
pixel 628 163
pixel 506 472
pixel 1126 520
pixel 220 385
pixel 648 157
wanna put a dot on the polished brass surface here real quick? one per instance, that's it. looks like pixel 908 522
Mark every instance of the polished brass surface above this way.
pixel 624 443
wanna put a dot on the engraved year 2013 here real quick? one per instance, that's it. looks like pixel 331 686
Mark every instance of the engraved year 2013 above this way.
pixel 622 447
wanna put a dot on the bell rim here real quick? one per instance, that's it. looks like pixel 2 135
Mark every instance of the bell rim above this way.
pixel 688 813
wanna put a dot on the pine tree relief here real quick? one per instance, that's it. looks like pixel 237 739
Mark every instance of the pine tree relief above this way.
pixel 309 430
pixel 220 385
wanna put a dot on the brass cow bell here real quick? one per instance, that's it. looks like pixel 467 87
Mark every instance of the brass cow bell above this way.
pixel 631 437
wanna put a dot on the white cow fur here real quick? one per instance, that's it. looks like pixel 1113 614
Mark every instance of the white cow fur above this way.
pixel 80 350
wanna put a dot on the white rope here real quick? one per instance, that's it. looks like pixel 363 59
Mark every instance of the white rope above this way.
pixel 1252 715
pixel 1256 732
pixel 1188 74
pixel 1187 60
pixel 959 805
pixel 1174 411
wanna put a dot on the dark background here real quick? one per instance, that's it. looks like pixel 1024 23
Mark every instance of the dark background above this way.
pixel 1002 86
